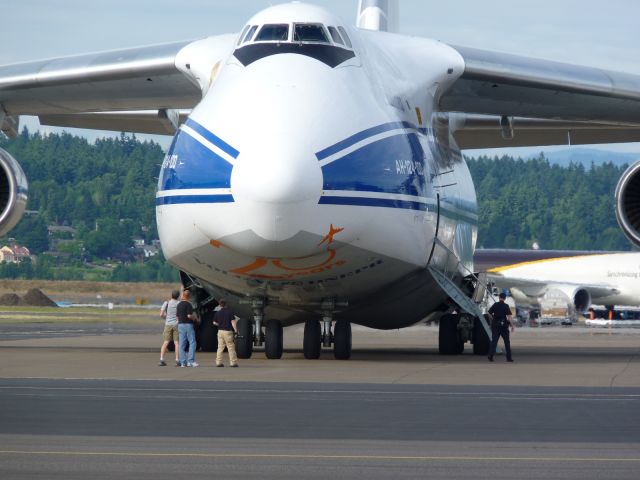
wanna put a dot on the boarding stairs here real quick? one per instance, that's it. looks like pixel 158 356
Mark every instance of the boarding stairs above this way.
pixel 475 305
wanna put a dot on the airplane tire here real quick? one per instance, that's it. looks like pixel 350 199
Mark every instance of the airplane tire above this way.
pixel 448 341
pixel 342 340
pixel 273 339
pixel 244 340
pixel 481 342
pixel 312 343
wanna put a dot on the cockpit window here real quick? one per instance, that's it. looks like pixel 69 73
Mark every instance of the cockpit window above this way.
pixel 250 33
pixel 335 35
pixel 309 32
pixel 345 36
pixel 273 32
pixel 244 30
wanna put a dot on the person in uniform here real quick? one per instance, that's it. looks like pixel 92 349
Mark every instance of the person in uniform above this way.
pixel 168 312
pixel 501 322
pixel 186 329
pixel 226 322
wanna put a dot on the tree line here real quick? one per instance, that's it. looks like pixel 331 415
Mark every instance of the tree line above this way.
pixel 106 191
pixel 522 202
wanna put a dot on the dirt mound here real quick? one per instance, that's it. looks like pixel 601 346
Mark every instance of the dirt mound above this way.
pixel 10 299
pixel 35 298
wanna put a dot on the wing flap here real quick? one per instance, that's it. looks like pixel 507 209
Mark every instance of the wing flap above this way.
pixel 159 122
pixel 502 84
pixel 131 79
pixel 486 131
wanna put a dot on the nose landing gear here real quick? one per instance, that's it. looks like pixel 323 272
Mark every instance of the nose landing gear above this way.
pixel 250 334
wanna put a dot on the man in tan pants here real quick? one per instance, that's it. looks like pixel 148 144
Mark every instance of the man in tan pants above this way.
pixel 226 322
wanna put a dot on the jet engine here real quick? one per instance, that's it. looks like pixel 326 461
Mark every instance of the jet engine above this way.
pixel 575 297
pixel 13 192
pixel 628 203
pixel 581 299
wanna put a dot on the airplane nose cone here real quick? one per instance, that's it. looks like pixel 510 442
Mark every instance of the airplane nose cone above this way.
pixel 276 181
pixel 276 172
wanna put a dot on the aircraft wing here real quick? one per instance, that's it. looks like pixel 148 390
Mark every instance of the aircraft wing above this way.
pixel 504 100
pixel 539 286
pixel 146 89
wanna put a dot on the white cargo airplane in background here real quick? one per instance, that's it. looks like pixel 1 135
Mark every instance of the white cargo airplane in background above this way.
pixel 582 278
pixel 315 174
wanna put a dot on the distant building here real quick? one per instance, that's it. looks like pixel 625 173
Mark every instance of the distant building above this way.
pixel 61 231
pixel 150 251
pixel 141 250
pixel 60 234
pixel 14 254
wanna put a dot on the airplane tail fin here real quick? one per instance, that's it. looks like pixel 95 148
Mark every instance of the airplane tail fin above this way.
pixel 381 15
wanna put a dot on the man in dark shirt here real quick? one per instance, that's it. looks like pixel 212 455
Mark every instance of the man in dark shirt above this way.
pixel 225 320
pixel 501 320
pixel 186 317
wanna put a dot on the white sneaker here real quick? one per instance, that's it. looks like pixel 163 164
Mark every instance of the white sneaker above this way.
pixel 194 364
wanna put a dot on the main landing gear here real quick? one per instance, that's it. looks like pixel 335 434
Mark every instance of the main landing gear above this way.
pixel 456 329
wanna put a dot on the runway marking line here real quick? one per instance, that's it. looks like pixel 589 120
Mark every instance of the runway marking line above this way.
pixel 321 457
pixel 485 395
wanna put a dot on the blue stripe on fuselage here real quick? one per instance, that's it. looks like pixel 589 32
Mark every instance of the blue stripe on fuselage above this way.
pixel 180 199
pixel 394 164
pixel 189 164
pixel 375 202
pixel 363 135
pixel 217 141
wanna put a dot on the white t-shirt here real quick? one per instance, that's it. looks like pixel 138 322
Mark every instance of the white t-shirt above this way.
pixel 170 307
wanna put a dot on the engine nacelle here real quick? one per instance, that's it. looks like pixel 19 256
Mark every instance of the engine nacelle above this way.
pixel 579 298
pixel 628 203
pixel 13 192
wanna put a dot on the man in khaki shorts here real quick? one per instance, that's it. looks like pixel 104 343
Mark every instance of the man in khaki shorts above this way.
pixel 225 320
pixel 168 312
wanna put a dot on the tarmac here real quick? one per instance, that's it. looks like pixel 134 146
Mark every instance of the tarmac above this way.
pixel 84 401
pixel 548 356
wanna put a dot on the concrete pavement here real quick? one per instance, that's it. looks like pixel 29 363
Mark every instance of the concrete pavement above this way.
pixel 571 356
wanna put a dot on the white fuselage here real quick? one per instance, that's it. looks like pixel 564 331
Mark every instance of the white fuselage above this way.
pixel 611 279
pixel 299 181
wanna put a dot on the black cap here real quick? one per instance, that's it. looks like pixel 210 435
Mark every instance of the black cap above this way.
pixel 502 295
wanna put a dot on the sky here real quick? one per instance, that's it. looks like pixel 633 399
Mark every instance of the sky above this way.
pixel 587 32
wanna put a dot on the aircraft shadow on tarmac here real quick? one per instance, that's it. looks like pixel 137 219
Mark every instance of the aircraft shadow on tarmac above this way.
pixel 527 354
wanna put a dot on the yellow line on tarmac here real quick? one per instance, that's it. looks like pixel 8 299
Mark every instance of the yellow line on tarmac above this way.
pixel 316 457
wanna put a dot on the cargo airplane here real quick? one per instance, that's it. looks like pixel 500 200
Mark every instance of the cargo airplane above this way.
pixel 315 173
pixel 580 278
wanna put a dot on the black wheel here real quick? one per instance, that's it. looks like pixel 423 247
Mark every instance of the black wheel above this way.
pixel 273 339
pixel 481 341
pixel 207 333
pixel 448 339
pixel 312 344
pixel 342 340
pixel 244 340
